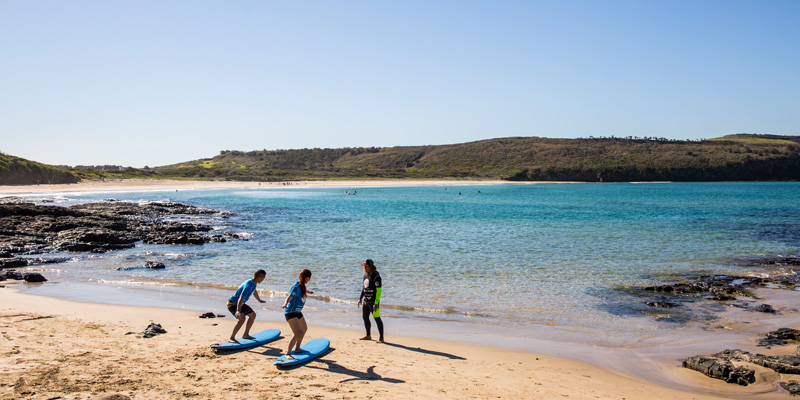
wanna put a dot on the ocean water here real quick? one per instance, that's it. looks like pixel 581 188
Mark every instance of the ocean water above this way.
pixel 520 261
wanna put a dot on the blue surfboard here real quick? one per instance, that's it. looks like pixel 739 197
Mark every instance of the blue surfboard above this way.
pixel 262 337
pixel 312 350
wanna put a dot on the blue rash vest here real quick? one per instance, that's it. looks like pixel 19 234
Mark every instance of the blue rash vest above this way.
pixel 297 301
pixel 244 291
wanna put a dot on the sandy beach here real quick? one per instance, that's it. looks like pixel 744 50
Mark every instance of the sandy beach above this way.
pixel 157 184
pixel 60 349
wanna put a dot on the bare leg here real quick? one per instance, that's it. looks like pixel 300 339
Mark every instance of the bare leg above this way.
pixel 294 323
pixel 239 324
pixel 250 319
pixel 303 330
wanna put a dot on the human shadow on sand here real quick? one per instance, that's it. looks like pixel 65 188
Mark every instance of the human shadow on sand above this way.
pixel 368 375
pixel 424 351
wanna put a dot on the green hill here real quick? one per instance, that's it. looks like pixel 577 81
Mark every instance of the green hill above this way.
pixel 729 158
pixel 19 171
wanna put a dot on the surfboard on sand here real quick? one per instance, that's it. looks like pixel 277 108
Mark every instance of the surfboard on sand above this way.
pixel 311 350
pixel 262 337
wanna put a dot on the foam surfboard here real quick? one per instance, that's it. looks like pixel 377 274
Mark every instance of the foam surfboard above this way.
pixel 312 350
pixel 262 337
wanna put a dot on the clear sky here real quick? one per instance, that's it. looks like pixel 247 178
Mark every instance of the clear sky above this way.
pixel 139 83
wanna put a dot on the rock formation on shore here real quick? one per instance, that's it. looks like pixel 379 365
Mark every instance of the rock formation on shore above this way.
pixel 27 228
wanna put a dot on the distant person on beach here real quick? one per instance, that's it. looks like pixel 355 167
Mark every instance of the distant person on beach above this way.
pixel 370 299
pixel 292 311
pixel 240 310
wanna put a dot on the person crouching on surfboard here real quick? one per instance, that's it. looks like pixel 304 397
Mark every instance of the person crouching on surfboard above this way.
pixel 292 311
pixel 371 296
pixel 240 310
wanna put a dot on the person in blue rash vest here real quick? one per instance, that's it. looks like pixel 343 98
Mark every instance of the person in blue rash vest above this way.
pixel 292 311
pixel 240 310
pixel 370 298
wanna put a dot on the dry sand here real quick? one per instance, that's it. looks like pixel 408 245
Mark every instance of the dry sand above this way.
pixel 58 349
pixel 158 184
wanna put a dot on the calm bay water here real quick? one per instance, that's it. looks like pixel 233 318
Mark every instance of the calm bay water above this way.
pixel 521 260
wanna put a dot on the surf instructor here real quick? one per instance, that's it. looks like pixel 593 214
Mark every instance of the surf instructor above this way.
pixel 370 299
pixel 292 311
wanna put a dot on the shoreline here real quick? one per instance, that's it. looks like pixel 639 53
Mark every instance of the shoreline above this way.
pixel 158 185
pixel 356 369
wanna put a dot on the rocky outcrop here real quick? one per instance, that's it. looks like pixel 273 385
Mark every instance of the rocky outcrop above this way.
pixel 720 365
pixel 720 368
pixel 31 277
pixel 793 387
pixel 26 228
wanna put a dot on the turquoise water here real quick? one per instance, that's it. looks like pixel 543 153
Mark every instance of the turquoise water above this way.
pixel 526 260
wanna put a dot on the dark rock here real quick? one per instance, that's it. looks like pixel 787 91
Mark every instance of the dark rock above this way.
pixel 662 304
pixel 765 308
pixel 793 387
pixel 154 265
pixel 15 262
pixel 792 261
pixel 784 364
pixel 220 315
pixel 153 329
pixel 26 228
pixel 33 277
pixel 720 368
pixel 768 343
pixel 208 315
pixel 5 254
pixel 784 334
pixel 13 274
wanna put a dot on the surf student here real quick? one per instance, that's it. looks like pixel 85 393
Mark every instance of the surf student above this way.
pixel 240 310
pixel 371 296
pixel 292 311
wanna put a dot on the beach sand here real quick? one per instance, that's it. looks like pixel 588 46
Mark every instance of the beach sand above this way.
pixel 58 349
pixel 159 184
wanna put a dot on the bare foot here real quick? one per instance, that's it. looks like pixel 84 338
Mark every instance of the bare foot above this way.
pixel 381 339
pixel 248 337
pixel 289 357
pixel 233 341
pixel 368 337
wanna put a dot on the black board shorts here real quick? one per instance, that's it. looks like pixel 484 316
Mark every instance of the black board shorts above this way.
pixel 246 310
pixel 291 315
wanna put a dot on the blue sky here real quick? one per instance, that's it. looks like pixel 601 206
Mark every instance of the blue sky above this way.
pixel 158 82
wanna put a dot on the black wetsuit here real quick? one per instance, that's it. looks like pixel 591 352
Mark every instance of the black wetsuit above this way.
pixel 371 295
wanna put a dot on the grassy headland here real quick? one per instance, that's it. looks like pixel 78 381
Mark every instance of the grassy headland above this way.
pixel 742 157
pixel 730 158
pixel 19 171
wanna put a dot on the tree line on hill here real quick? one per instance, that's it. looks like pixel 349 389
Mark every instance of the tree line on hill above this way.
pixel 741 157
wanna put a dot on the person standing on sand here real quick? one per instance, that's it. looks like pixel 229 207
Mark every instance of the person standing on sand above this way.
pixel 371 296
pixel 240 310
pixel 292 311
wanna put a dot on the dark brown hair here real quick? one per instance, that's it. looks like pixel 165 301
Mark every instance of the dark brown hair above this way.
pixel 258 273
pixel 303 274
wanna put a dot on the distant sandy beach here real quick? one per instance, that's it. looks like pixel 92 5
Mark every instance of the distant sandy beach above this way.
pixel 56 348
pixel 157 184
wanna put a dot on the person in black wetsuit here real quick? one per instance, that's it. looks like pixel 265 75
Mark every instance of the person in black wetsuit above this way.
pixel 370 298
